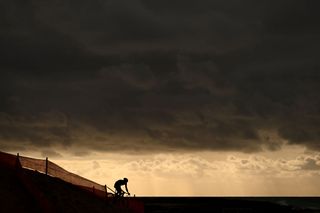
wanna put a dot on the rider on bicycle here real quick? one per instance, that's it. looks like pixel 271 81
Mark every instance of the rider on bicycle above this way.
pixel 118 184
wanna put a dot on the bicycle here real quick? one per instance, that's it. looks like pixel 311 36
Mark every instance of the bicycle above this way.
pixel 121 199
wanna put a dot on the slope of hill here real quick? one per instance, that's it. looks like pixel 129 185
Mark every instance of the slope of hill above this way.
pixel 14 197
pixel 29 191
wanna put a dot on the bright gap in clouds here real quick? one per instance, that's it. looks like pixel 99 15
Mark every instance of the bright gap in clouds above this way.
pixel 291 171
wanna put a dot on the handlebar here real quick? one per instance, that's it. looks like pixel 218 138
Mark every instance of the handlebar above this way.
pixel 123 193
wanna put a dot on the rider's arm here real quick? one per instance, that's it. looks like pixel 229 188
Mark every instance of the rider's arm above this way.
pixel 127 189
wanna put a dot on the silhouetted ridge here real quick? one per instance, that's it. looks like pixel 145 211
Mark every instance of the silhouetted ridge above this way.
pixel 26 190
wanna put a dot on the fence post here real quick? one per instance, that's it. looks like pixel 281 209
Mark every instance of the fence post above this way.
pixel 46 165
pixel 18 164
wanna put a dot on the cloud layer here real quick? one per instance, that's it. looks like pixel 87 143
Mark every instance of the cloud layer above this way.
pixel 159 76
pixel 193 174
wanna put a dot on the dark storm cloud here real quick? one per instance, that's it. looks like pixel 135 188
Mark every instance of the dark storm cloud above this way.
pixel 159 75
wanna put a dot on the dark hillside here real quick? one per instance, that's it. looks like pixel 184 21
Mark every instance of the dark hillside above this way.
pixel 66 197
pixel 13 195
pixel 36 192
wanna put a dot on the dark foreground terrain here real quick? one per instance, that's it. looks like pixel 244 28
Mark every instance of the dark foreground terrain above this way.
pixel 27 191
pixel 231 204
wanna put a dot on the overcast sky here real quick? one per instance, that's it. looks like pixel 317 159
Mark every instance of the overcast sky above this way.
pixel 147 77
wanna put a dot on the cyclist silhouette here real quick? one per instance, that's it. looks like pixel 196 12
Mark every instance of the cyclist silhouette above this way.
pixel 118 184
